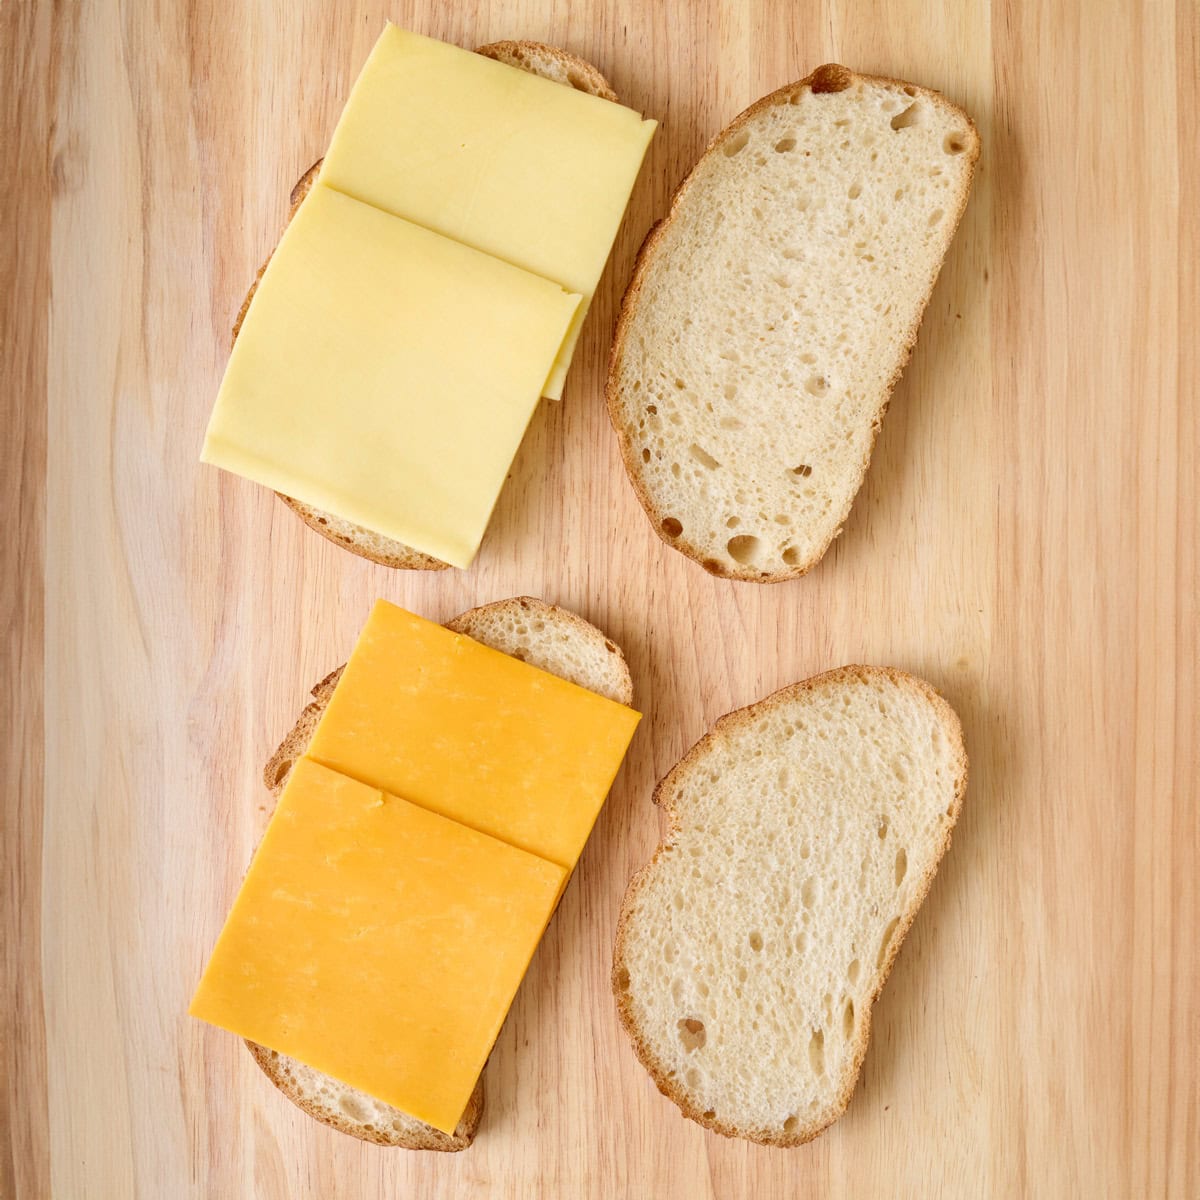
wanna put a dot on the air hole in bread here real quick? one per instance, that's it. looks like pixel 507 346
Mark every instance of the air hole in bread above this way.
pixel 954 143
pixel 693 1078
pixel 816 1051
pixel 672 526
pixel 652 409
pixel 353 1107
pixel 703 457
pixel 855 191
pixel 886 941
pixel 805 849
pixel 803 470
pixel 756 941
pixel 784 145
pixel 852 970
pixel 808 890
pixel 817 385
pixel 848 1019
pixel 802 941
pixel 623 979
pixel 909 90
pixel 282 770
pixel 669 952
pixel 802 203
pixel 713 567
pixel 736 144
pixel 790 1125
pixel 883 827
pixel 733 522
pixel 710 1114
pixel 645 454
pixel 691 1034
pixel 744 548
pixel 791 556
pixel 909 117
pixel 901 865
pixel 936 216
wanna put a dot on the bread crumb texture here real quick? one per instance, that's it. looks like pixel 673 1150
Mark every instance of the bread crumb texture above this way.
pixel 804 833
pixel 773 310
pixel 354 1112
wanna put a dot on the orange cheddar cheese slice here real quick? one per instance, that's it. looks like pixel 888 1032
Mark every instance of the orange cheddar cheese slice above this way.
pixel 378 942
pixel 473 734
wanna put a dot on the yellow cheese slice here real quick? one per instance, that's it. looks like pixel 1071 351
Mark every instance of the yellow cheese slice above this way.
pixel 386 374
pixel 518 166
pixel 377 942
pixel 473 734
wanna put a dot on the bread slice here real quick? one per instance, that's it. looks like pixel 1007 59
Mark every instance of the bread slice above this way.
pixel 537 633
pixel 772 311
pixel 560 66
pixel 804 832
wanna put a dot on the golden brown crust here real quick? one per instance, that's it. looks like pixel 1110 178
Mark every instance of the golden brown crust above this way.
pixel 275 775
pixel 564 67
pixel 530 606
pixel 420 1137
pixel 831 77
pixel 560 66
pixel 619 977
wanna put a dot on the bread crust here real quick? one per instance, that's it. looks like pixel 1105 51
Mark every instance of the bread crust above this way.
pixel 577 73
pixel 275 775
pixel 747 716
pixel 830 77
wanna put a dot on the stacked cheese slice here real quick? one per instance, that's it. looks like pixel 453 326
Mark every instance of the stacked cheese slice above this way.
pixel 412 864
pixel 428 291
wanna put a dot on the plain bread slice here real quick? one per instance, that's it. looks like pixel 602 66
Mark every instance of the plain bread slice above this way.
pixel 804 832
pixel 771 312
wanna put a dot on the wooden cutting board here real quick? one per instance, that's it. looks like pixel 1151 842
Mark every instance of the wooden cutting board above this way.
pixel 1026 539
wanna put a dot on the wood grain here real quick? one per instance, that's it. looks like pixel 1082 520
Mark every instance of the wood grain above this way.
pixel 1026 539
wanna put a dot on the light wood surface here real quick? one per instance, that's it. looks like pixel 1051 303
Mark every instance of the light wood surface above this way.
pixel 1026 539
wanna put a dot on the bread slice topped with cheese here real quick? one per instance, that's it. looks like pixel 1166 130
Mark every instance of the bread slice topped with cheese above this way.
pixel 548 62
pixel 544 636
pixel 803 834
pixel 772 311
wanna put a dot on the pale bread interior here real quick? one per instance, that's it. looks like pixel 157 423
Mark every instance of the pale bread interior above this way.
pixel 804 833
pixel 772 312
pixel 544 636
